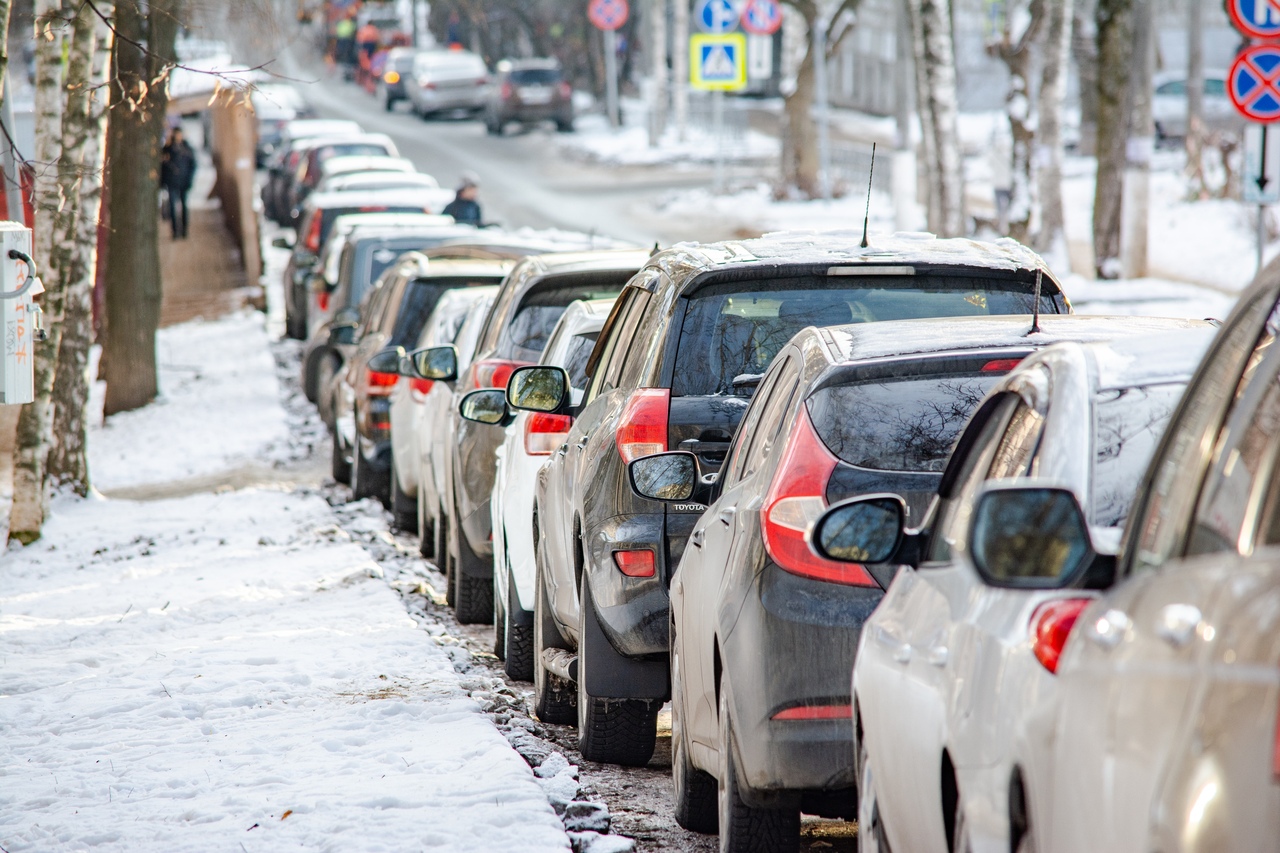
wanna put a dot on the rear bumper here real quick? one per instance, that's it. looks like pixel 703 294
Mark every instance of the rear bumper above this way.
pixel 634 613
pixel 539 112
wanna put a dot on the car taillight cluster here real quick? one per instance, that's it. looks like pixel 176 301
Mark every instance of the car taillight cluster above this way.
pixel 543 433
pixel 795 500
pixel 1051 625
pixel 378 384
pixel 642 429
pixel 314 227
pixel 493 372
pixel 636 564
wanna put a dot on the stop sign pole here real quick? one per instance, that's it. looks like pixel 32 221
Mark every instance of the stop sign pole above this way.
pixel 608 16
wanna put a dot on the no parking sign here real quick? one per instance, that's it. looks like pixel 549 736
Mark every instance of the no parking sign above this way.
pixel 1259 19
pixel 1253 83
pixel 608 15
pixel 762 17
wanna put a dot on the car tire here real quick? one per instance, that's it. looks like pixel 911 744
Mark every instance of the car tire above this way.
pixel 517 639
pixel 449 567
pixel 295 327
pixel 426 528
pixel 744 829
pixel 554 699
pixel 610 730
pixel 404 509
pixel 363 479
pixel 340 465
pixel 472 596
pixel 696 807
pixel 440 542
pixel 564 126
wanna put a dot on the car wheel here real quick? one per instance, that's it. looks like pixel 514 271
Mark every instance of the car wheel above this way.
pixel 610 730
pixel 363 479
pixel 440 543
pixel 744 829
pixel 564 126
pixel 553 697
pixel 404 509
pixel 696 807
pixel 295 327
pixel 340 463
pixel 472 595
pixel 517 639
pixel 871 838
pixel 426 528
pixel 450 566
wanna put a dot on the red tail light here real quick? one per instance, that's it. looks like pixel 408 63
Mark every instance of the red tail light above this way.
pixel 419 389
pixel 815 712
pixel 636 564
pixel 1001 365
pixel 642 429
pixel 1051 625
pixel 379 384
pixel 493 372
pixel 566 91
pixel 314 228
pixel 795 500
pixel 507 91
pixel 543 433
pixel 322 300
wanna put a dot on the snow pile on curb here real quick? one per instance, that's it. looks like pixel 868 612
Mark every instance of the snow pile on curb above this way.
pixel 597 142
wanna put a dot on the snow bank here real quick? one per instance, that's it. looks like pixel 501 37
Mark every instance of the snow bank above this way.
pixel 595 140
pixel 221 670
pixel 219 407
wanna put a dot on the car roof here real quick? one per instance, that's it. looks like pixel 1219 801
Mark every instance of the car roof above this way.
pixel 1171 356
pixel 361 137
pixel 895 338
pixel 428 267
pixel 391 222
pixel 355 163
pixel 408 196
pixel 305 127
pixel 527 241
pixel 567 263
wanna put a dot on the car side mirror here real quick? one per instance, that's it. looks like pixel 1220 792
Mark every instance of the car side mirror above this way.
pixel 387 361
pixel 869 529
pixel 539 389
pixel 486 406
pixel 665 476
pixel 439 364
pixel 342 329
pixel 282 243
pixel 1029 537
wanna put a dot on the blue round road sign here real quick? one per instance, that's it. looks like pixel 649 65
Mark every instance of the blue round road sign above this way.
pixel 717 16
pixel 1252 83
pixel 1259 19
pixel 762 17
pixel 608 14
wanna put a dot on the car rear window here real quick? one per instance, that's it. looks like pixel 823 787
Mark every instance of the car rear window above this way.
pixel 329 215
pixel 899 424
pixel 354 149
pixel 536 77
pixel 420 300
pixel 1127 425
pixel 731 333
pixel 575 360
pixel 526 334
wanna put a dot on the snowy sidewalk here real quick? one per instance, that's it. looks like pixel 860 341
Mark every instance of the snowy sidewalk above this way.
pixel 230 672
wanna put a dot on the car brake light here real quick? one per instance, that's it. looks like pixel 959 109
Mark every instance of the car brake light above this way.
pixel 1051 625
pixel 1001 365
pixel 493 372
pixel 795 500
pixel 566 91
pixel 312 243
pixel 379 384
pixel 642 429
pixel 506 91
pixel 374 208
pixel 636 564
pixel 419 388
pixel 543 433
pixel 815 712
pixel 322 301
pixel 391 77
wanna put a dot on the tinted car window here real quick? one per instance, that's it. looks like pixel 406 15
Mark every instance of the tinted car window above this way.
pixel 906 424
pixel 536 77
pixel 575 360
pixel 772 423
pixel 734 331
pixel 419 301
pixel 525 335
pixel 1128 424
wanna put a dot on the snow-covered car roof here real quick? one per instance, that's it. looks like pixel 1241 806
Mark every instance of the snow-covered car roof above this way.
pixel 891 338
pixel 400 196
pixel 532 241
pixel 345 164
pixel 589 261
pixel 1151 359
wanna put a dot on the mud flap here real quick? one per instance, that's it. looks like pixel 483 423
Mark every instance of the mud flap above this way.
pixel 613 675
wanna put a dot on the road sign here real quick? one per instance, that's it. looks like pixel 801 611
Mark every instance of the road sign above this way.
pixel 1252 83
pixel 1261 164
pixel 718 63
pixel 716 16
pixel 762 17
pixel 608 14
pixel 759 57
pixel 1259 19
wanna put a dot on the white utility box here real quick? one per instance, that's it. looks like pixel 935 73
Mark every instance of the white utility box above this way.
pixel 17 315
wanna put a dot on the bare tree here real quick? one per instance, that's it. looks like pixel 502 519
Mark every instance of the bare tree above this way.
pixel 1053 79
pixel 1139 147
pixel 937 103
pixel 1195 97
pixel 1019 42
pixel 1114 20
pixel 5 5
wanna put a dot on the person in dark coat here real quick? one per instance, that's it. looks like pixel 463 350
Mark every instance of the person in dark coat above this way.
pixel 464 208
pixel 177 172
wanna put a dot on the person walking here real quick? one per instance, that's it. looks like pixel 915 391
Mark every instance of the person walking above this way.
pixel 464 208
pixel 177 172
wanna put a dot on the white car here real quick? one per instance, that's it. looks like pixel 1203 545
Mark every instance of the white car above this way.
pixel 954 675
pixel 409 394
pixel 529 440
pixel 1169 105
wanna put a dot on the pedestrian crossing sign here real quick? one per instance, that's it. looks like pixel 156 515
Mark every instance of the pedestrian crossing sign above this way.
pixel 718 62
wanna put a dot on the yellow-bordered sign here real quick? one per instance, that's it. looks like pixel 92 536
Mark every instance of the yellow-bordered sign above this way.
pixel 718 62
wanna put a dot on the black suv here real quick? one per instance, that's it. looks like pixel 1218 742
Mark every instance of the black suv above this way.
pixel 674 368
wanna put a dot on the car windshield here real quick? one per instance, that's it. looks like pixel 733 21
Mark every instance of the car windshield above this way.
pixel 731 333
pixel 535 77
pixel 1127 425
pixel 526 335
pixel 899 424
pixel 420 300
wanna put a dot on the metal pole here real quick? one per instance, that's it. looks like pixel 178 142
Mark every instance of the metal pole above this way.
pixel 658 109
pixel 1262 233
pixel 611 75
pixel 717 117
pixel 820 95
pixel 680 67
pixel 12 176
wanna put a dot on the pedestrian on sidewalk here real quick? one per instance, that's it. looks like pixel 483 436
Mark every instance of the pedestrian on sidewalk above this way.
pixel 177 172
pixel 464 208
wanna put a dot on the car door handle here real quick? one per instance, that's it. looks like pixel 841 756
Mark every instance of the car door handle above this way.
pixel 695 538
pixel 901 651
pixel 1178 624
pixel 938 656
pixel 726 516
pixel 582 442
pixel 1109 629
pixel 563 449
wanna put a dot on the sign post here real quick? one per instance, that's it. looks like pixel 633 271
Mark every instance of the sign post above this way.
pixel 1253 85
pixel 608 16
pixel 718 64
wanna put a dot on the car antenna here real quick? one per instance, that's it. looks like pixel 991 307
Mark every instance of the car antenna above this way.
pixel 657 247
pixel 867 218
pixel 1035 311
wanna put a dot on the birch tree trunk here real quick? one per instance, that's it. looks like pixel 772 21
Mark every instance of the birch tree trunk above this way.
pixel 1195 98
pixel 802 138
pixel 936 77
pixel 1140 145
pixel 83 140
pixel 5 6
pixel 31 448
pixel 1051 238
pixel 1115 52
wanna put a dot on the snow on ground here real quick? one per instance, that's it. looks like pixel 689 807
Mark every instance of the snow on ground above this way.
pixel 754 211
pixel 218 408
pixel 596 140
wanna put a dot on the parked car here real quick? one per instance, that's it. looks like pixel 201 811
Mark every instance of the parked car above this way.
pixel 448 81
pixel 310 168
pixel 529 91
pixel 274 106
pixel 294 139
pixel 531 438
pixel 357 181
pixel 319 213
pixel 361 247
pixel 345 164
pixel 1169 105
pixel 391 318
pixel 410 393
pixel 397 71
pixel 674 368
pixel 950 672
pixel 533 298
